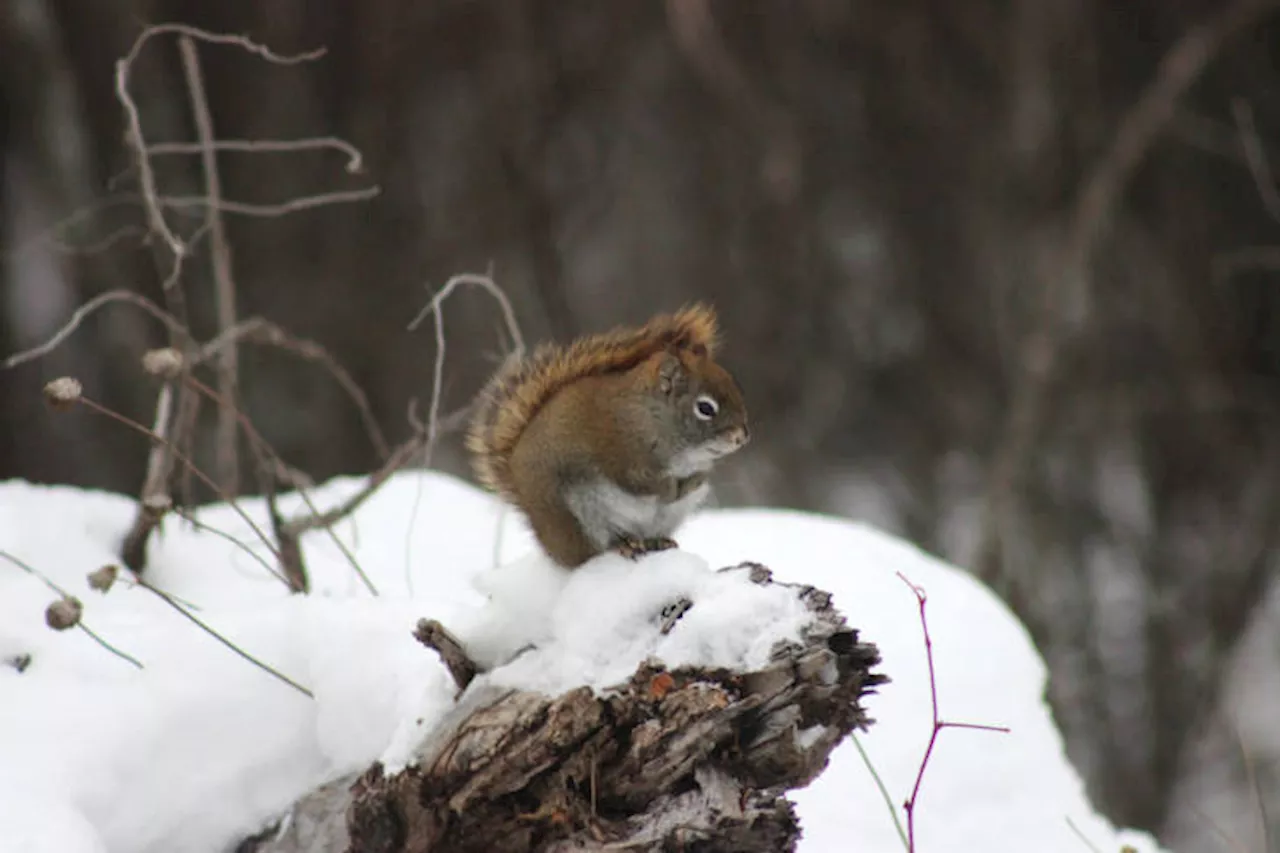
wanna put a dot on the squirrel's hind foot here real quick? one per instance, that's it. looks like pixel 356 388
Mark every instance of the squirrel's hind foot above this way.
pixel 634 547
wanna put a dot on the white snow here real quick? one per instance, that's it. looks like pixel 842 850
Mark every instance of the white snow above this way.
pixel 199 748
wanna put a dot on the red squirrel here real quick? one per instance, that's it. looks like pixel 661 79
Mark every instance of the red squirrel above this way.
pixel 606 443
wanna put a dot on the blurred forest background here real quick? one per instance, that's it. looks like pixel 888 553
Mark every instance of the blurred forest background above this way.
pixel 1003 277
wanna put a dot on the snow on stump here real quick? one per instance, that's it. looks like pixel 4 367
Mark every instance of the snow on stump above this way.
pixel 690 757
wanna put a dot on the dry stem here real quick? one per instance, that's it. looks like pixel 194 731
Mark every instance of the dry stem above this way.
pixel 226 459
pixel 83 312
pixel 261 331
pixel 422 439
pixel 190 465
pixel 65 595
pixel 265 667
pixel 909 806
pixel 355 161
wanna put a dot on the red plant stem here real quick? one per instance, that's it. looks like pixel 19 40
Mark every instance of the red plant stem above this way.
pixel 909 806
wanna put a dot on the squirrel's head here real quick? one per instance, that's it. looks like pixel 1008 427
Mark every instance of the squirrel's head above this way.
pixel 707 417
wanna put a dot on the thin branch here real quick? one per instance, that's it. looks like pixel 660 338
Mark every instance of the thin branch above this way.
pixel 181 433
pixel 98 246
pixel 1084 839
pixel 137 139
pixel 909 806
pixel 431 430
pixel 355 161
pixel 49 235
pixel 884 791
pixel 190 465
pixel 434 636
pixel 290 550
pixel 265 667
pixel 1260 167
pixel 155 485
pixel 118 652
pixel 223 38
pixel 394 462
pixel 83 312
pixel 260 331
pixel 222 534
pixel 185 205
pixel 97 638
pixel 226 458
pixel 421 439
pixel 486 283
pixel 244 208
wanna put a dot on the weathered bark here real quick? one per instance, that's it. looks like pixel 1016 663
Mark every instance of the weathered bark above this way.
pixel 688 759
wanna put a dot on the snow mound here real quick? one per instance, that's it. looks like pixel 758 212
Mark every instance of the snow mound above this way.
pixel 199 747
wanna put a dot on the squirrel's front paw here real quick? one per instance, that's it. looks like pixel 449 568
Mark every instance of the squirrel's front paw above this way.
pixel 634 547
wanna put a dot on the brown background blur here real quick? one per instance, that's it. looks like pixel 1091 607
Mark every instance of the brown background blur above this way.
pixel 885 202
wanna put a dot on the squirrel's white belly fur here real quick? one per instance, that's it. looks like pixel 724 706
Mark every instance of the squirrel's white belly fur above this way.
pixel 605 510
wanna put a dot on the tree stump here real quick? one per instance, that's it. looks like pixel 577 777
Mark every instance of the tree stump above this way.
pixel 685 759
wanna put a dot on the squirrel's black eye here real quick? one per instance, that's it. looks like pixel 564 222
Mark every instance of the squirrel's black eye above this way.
pixel 705 407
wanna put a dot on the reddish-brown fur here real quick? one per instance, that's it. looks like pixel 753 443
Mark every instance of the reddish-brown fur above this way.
pixel 520 389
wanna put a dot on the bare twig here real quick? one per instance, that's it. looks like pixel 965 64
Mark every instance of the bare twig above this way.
pixel 260 331
pixel 487 283
pixel 191 519
pixel 394 462
pixel 265 667
pixel 185 460
pixel 97 638
pixel 137 140
pixel 1139 128
pixel 1260 167
pixel 433 635
pixel 98 246
pixel 155 485
pixel 290 554
pixel 188 205
pixel 214 206
pixel 244 208
pixel 355 161
pixel 1084 839
pixel 421 439
pixel 50 235
pixel 909 806
pixel 884 790
pixel 83 312
pixel 432 427
pixel 226 458
pixel 181 433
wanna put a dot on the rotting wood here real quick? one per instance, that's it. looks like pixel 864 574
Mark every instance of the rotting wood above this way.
pixel 687 759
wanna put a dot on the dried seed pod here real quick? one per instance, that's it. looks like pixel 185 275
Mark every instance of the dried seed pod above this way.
pixel 64 613
pixel 103 578
pixel 165 362
pixel 63 393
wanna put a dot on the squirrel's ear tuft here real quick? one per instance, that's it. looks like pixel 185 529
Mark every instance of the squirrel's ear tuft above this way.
pixel 671 372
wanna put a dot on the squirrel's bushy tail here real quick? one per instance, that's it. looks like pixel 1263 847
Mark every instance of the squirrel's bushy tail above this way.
pixel 522 386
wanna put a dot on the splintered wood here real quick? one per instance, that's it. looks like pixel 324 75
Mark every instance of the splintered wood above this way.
pixel 691 758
